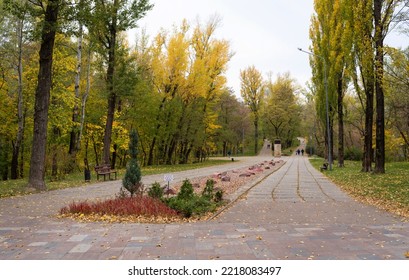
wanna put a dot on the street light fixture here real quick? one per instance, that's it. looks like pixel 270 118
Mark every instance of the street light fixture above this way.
pixel 326 103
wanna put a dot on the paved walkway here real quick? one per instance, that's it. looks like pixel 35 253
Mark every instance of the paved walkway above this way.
pixel 295 213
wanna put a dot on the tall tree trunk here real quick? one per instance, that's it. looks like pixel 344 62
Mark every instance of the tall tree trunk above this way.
pixel 4 163
pixel 21 167
pixel 329 142
pixel 42 97
pixel 368 155
pixel 84 101
pixel 340 123
pixel 158 126
pixel 114 156
pixel 175 139
pixel 256 134
pixel 20 112
pixel 75 114
pixel 380 102
pixel 94 145
pixel 151 149
pixel 111 92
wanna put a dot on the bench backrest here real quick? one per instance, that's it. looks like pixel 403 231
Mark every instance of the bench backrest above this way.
pixel 102 167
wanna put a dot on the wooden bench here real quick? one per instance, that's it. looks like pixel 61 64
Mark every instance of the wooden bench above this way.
pixel 324 167
pixel 104 169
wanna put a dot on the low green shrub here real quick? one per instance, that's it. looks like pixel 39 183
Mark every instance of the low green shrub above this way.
pixel 196 205
pixel 189 204
pixel 186 191
pixel 208 191
pixel 218 196
pixel 156 191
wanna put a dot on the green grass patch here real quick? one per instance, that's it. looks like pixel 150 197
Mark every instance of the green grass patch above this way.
pixel 389 191
pixel 18 187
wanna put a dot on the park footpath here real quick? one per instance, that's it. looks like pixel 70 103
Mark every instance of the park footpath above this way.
pixel 294 213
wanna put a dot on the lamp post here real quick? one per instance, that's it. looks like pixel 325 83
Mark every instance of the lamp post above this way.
pixel 326 104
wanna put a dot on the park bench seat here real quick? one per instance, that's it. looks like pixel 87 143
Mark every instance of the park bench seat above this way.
pixel 324 167
pixel 103 170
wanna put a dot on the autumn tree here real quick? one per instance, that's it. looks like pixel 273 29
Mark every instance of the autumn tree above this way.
pixel 320 34
pixel 60 109
pixel 383 15
pixel 371 21
pixel 211 56
pixel 105 20
pixel 340 26
pixel 331 32
pixel 170 67
pixel 234 124
pixel 362 71
pixel 282 112
pixel 76 130
pixel 188 77
pixel 252 91
pixel 19 21
pixel 397 101
pixel 51 10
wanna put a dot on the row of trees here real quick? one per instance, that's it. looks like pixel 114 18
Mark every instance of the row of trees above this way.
pixel 37 24
pixel 350 59
pixel 71 89
pixel 275 106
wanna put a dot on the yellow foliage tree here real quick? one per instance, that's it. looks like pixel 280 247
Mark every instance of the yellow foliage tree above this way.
pixel 188 75
pixel 252 91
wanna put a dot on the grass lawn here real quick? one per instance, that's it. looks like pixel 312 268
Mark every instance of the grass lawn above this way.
pixel 389 191
pixel 17 187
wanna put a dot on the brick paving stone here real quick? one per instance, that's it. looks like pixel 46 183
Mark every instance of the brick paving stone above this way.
pixel 80 248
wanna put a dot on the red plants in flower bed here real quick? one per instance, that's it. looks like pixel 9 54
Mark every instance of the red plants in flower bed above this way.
pixel 138 206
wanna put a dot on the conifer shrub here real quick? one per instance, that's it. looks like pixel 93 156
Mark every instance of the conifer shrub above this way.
pixel 156 191
pixel 186 191
pixel 218 196
pixel 189 204
pixel 208 191
pixel 132 178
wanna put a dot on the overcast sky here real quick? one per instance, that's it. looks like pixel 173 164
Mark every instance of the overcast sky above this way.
pixel 263 33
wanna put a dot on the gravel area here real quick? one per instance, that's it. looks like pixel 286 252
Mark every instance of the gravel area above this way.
pixel 230 181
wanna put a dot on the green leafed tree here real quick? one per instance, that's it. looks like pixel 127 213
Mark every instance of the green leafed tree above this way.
pixel 383 17
pixel 252 91
pixel 105 20
pixel 282 112
pixel 331 33
pixel 397 101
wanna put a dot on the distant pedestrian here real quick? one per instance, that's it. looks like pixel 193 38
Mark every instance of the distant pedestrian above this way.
pixel 302 152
